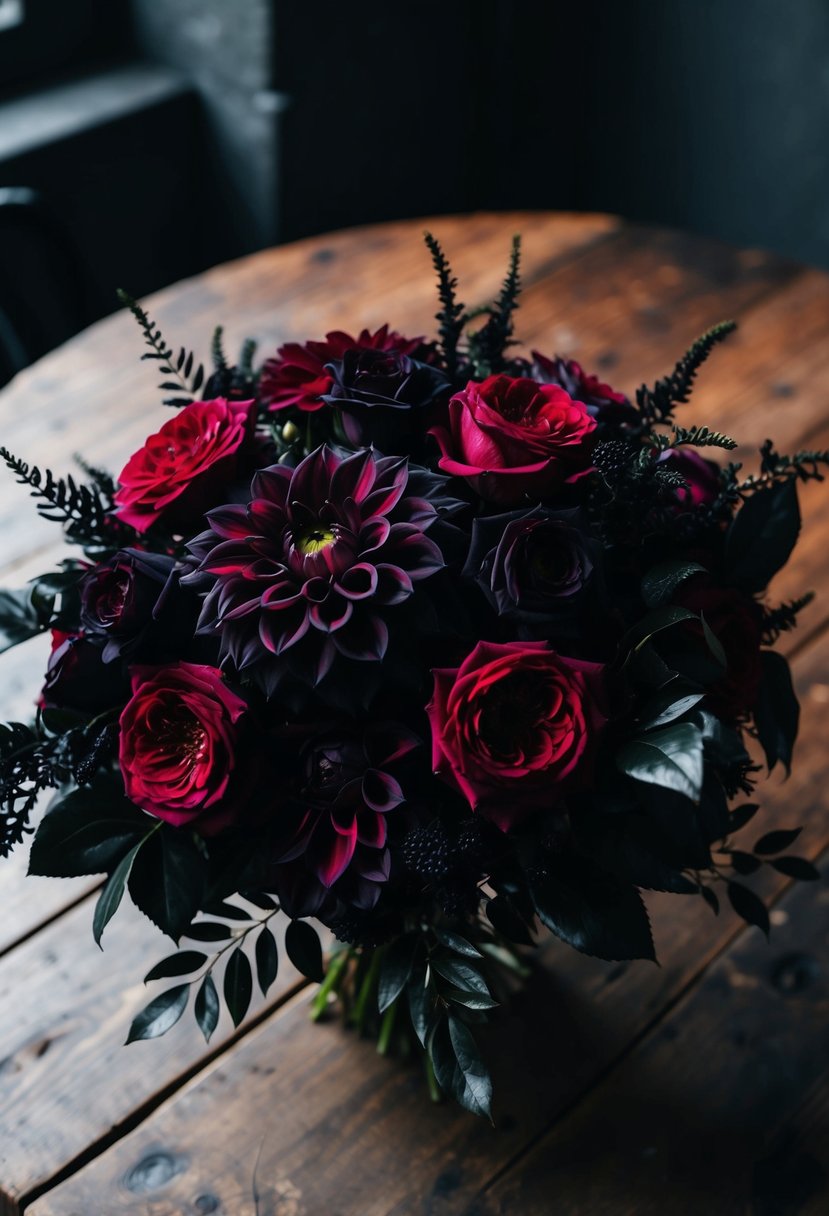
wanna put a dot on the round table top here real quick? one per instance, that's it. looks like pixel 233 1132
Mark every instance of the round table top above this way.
pixel 307 1115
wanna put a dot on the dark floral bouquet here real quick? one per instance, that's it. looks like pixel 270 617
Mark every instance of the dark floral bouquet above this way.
pixel 425 640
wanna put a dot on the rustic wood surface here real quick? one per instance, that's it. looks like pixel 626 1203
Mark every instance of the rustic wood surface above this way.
pixel 619 1088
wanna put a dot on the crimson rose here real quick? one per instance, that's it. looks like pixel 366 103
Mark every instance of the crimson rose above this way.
pixel 512 723
pixel 701 476
pixel 184 468
pixel 179 737
pixel 514 439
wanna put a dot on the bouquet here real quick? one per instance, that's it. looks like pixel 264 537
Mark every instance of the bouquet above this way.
pixel 425 643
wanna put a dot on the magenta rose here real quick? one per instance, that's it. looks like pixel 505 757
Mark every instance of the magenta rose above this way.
pixel 178 749
pixel 182 469
pixel 514 439
pixel 515 725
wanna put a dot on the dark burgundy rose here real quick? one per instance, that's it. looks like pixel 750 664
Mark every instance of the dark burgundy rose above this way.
pixel 179 746
pixel 77 677
pixel 702 477
pixel 601 400
pixel 736 621
pixel 515 726
pixel 384 396
pixel 515 439
pixel 532 566
pixel 297 376
pixel 347 792
pixel 187 465
pixel 307 572
pixel 119 599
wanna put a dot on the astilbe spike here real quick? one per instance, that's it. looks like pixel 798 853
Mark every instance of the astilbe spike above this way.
pixel 450 314
pixel 487 347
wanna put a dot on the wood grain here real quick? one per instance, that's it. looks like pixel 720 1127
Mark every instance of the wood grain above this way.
pixel 626 300
pixel 571 1023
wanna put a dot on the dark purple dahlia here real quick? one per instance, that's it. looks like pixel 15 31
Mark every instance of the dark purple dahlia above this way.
pixel 346 794
pixel 303 576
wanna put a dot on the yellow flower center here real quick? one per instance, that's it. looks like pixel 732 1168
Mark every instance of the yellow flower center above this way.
pixel 314 539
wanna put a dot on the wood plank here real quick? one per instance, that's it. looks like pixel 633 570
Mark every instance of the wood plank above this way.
pixel 66 1078
pixel 573 1021
pixel 705 1116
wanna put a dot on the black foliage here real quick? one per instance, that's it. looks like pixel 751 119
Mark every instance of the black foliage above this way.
pixel 450 315
pixel 657 404
pixel 189 376
pixel 487 346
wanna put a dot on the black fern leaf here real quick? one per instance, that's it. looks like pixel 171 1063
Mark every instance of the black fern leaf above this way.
pixel 217 353
pixel 487 347
pixel 100 478
pixel 450 315
pixel 84 510
pixel 29 764
pixel 783 618
pixel 701 437
pixel 244 367
pixel 189 377
pixel 774 467
pixel 657 404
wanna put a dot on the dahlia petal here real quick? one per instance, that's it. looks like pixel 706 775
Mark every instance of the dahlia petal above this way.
pixel 381 793
pixel 358 583
pixel 229 522
pixel 372 830
pixel 394 585
pixel 331 615
pixel 291 635
pixel 373 534
pixel 339 849
pixel 272 484
pixel 354 478
pixel 365 638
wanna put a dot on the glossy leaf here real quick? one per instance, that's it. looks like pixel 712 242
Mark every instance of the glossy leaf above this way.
pixel 238 985
pixel 183 963
pixel 87 832
pixel 395 969
pixel 160 1015
pixel 777 712
pixel 109 900
pixel 208 931
pixel 660 582
pixel 593 912
pixel 167 881
pixel 671 758
pixel 207 1007
pixel 456 943
pixel 776 841
pixel 304 950
pixel 461 975
pixel 419 1004
pixel 476 1092
pixel 749 906
pixel 267 959
pixel 762 535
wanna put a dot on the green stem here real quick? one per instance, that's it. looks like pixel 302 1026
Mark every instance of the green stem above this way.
pixel 361 1005
pixel 431 1080
pixel 386 1029
pixel 328 985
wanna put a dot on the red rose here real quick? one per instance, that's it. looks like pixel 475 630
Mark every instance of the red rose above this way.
pixel 511 724
pixel 182 469
pixel 515 439
pixel 298 376
pixel 179 736
pixel 737 623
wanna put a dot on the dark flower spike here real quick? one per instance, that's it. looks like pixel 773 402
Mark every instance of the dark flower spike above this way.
pixel 304 574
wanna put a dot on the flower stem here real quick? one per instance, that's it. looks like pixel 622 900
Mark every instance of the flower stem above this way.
pixel 386 1029
pixel 431 1080
pixel 328 985
pixel 361 1005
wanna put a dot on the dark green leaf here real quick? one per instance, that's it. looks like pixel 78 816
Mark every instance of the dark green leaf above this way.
pixel 456 943
pixel 183 963
pixel 461 975
pixel 419 1004
pixel 22 615
pixel 87 832
pixel 238 985
pixel 749 906
pixel 208 931
pixel 267 959
pixel 160 1015
pixel 671 758
pixel 167 881
pixel 776 841
pixel 227 910
pixel 395 969
pixel 110 898
pixel 660 618
pixel 797 867
pixel 260 900
pixel 741 815
pixel 670 703
pixel 207 1007
pixel 304 950
pixel 714 644
pixel 777 713
pixel 744 863
pixel 469 1000
pixel 661 581
pixel 762 535
pixel 593 912
pixel 476 1094
pixel 505 919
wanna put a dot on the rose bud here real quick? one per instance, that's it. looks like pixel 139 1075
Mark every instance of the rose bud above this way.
pixel 297 376
pixel 180 736
pixel 514 439
pixel 737 623
pixel 701 476
pixel 119 598
pixel 187 466
pixel 383 396
pixel 77 677
pixel 515 726
pixel 532 566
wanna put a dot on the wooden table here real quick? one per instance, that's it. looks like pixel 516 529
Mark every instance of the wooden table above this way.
pixel 695 1087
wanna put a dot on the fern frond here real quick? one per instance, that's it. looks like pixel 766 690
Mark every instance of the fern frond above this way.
pixel 657 404
pixel 450 316
pixel 189 377
pixel 84 510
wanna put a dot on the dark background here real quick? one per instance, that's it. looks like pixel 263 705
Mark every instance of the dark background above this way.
pixel 144 140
